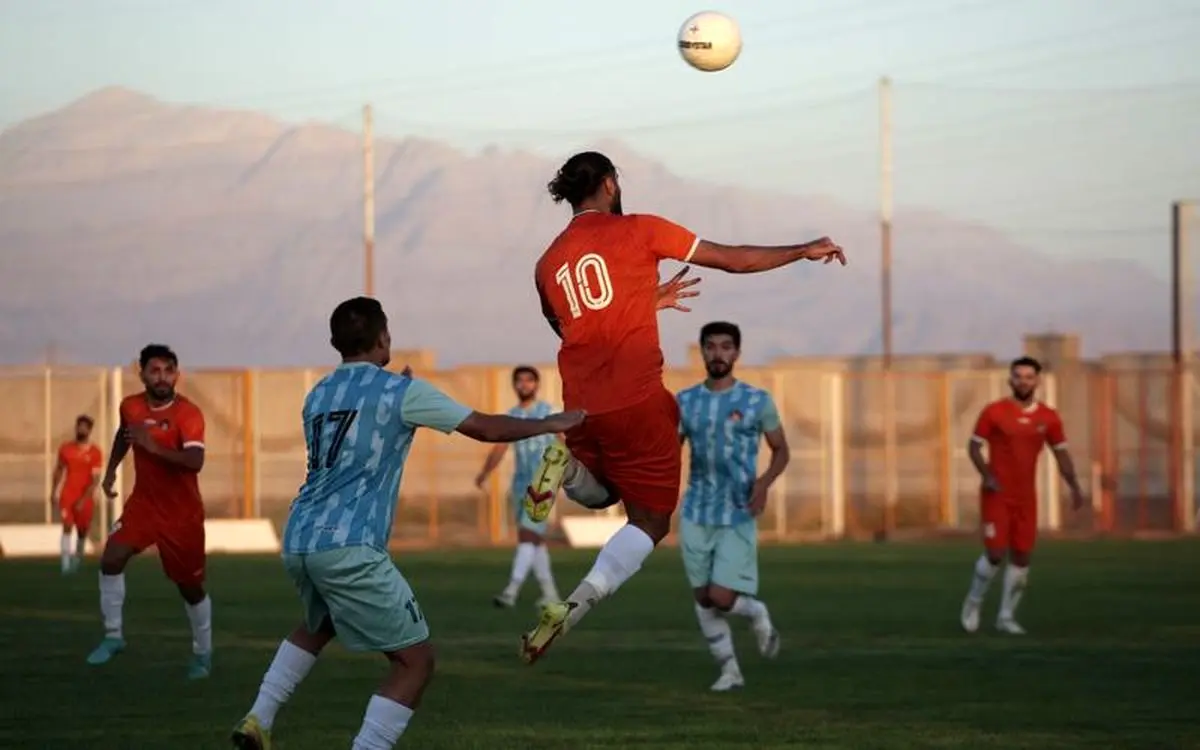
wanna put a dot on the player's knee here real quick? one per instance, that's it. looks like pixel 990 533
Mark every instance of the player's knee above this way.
pixel 721 597
pixel 701 597
pixel 1019 558
pixel 114 559
pixel 655 524
pixel 192 593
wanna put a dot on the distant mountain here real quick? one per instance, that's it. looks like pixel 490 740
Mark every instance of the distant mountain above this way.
pixel 124 219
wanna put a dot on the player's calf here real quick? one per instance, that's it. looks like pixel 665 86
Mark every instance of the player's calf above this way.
pixel 391 709
pixel 731 602
pixel 293 661
pixel 198 607
pixel 112 600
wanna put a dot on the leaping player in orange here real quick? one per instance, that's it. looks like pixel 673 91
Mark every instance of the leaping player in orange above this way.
pixel 598 284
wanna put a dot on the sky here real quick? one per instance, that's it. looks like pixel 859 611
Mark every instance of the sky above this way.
pixel 1068 124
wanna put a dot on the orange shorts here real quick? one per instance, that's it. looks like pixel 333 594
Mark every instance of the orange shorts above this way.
pixel 1008 524
pixel 180 541
pixel 634 451
pixel 77 513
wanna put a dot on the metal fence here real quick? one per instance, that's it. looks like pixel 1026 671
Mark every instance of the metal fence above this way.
pixel 857 467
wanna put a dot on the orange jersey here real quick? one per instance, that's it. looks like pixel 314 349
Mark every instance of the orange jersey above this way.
pixel 1015 436
pixel 81 463
pixel 178 425
pixel 599 281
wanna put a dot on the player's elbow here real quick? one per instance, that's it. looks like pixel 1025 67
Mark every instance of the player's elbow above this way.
pixel 489 428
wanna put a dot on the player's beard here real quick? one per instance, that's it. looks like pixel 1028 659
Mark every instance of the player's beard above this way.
pixel 717 369
pixel 163 392
pixel 81 437
pixel 1022 394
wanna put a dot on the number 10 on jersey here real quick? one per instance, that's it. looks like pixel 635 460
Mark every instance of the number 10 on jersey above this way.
pixel 587 283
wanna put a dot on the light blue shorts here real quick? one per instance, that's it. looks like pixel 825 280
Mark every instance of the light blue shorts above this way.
pixel 723 555
pixel 516 501
pixel 371 605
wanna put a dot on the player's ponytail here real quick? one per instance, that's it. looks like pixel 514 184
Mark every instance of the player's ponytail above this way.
pixel 580 178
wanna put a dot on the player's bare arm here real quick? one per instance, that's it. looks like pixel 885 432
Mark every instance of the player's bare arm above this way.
pixel 548 312
pixel 780 455
pixel 494 457
pixel 975 451
pixel 190 458
pixel 759 258
pixel 1066 469
pixel 60 469
pixel 677 288
pixel 501 428
pixel 120 446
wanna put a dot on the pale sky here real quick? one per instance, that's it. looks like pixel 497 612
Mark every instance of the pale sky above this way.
pixel 1069 124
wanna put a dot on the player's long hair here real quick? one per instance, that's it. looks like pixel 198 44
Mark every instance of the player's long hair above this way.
pixel 580 177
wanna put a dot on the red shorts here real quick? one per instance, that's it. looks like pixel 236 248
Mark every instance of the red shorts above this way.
pixel 77 513
pixel 634 451
pixel 180 542
pixel 1008 524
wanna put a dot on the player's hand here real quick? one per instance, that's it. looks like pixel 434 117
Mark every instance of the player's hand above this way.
pixel 990 484
pixel 1077 499
pixel 407 371
pixel 679 287
pixel 826 251
pixel 480 478
pixel 758 498
pixel 108 486
pixel 563 421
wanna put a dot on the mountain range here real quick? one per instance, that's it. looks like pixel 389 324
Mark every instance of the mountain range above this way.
pixel 231 235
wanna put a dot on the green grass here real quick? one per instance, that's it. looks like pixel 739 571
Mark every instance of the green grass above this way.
pixel 872 658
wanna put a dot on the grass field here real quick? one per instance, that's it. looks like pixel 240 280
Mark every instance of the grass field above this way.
pixel 872 658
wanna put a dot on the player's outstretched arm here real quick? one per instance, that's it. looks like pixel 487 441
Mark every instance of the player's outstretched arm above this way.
pixel 501 428
pixel 759 258
pixel 426 406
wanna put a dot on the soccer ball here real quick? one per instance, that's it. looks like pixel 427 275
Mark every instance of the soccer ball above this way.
pixel 710 41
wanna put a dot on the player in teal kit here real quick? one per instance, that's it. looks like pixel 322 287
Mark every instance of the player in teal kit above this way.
pixel 359 423
pixel 531 553
pixel 724 420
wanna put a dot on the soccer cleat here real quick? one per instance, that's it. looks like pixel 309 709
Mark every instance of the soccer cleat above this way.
pixel 1009 625
pixel 970 615
pixel 551 624
pixel 108 648
pixel 730 679
pixel 250 734
pixel 504 600
pixel 768 639
pixel 547 480
pixel 200 667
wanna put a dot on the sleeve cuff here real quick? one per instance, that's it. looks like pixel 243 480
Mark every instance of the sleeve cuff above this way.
pixel 692 250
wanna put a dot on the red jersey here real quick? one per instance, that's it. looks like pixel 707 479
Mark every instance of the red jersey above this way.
pixel 1015 436
pixel 81 463
pixel 177 425
pixel 599 281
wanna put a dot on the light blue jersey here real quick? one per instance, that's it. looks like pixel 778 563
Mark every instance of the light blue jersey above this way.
pixel 527 453
pixel 359 423
pixel 724 429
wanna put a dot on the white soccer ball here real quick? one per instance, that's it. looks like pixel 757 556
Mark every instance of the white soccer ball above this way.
pixel 710 41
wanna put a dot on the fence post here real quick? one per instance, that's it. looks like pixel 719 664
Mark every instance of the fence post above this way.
pixel 779 490
pixel 48 458
pixel 249 445
pixel 1049 467
pixel 948 511
pixel 836 502
pixel 106 431
pixel 114 417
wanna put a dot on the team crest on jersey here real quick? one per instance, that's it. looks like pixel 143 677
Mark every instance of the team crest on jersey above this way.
pixel 735 416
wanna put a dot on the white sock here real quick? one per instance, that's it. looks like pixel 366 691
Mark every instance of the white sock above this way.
pixel 81 544
pixel 522 563
pixel 984 573
pixel 65 546
pixel 383 724
pixel 619 559
pixel 1014 585
pixel 748 607
pixel 288 669
pixel 582 487
pixel 718 634
pixel 541 570
pixel 112 602
pixel 200 616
